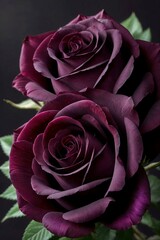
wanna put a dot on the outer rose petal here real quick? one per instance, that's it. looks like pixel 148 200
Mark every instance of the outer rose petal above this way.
pixel 20 83
pixel 31 211
pixel 151 52
pixel 134 147
pixel 145 87
pixel 127 37
pixel 62 100
pixel 130 204
pixel 35 126
pixel 89 212
pixel 28 48
pixel 120 106
pixel 77 19
pixel 38 93
pixel 152 120
pixel 21 173
pixel 55 223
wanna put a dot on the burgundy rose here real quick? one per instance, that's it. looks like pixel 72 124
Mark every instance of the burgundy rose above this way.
pixel 95 52
pixel 77 162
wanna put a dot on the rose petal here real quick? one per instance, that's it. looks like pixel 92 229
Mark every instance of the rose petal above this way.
pixel 117 42
pixel 78 19
pixel 29 46
pixel 118 178
pixel 134 147
pixel 40 186
pixel 38 93
pixel 127 37
pixel 120 106
pixel 55 223
pixel 36 125
pixel 34 212
pixel 21 150
pixel 38 150
pixel 20 171
pixel 41 60
pixel 131 203
pixel 125 74
pixel 20 83
pixel 62 100
pixel 59 123
pixel 151 51
pixel 145 87
pixel 72 191
pixel 152 120
pixel 88 212
pixel 53 46
pixel 74 80
pixel 103 163
pixel 80 108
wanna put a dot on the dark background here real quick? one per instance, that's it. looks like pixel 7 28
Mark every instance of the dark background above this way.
pixel 19 18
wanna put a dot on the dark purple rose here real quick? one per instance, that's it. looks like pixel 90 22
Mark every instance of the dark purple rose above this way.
pixel 78 162
pixel 95 52
pixel 89 52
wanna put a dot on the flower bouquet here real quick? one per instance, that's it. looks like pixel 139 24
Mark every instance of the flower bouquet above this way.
pixel 82 166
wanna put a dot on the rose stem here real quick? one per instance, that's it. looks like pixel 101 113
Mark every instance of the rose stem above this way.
pixel 137 234
pixel 152 165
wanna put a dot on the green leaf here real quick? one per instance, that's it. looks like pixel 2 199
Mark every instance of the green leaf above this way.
pixel 132 24
pixel 135 28
pixel 155 186
pixel 151 222
pixel 26 104
pixel 145 35
pixel 36 231
pixel 6 143
pixel 56 238
pixel 152 165
pixel 103 233
pixel 5 169
pixel 81 238
pixel 125 235
pixel 155 237
pixel 64 238
pixel 9 193
pixel 14 212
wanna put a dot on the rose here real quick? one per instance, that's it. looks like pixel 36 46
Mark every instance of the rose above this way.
pixel 77 162
pixel 95 52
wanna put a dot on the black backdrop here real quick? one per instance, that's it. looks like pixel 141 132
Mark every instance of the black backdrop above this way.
pixel 19 18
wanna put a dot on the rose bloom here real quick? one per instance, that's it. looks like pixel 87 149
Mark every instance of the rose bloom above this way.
pixel 78 162
pixel 94 52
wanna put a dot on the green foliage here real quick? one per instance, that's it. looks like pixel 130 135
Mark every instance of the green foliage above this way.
pixel 125 235
pixel 14 212
pixel 156 237
pixel 36 231
pixel 5 169
pixel 6 143
pixel 103 233
pixel 82 238
pixel 155 186
pixel 135 28
pixel 26 104
pixel 151 222
pixel 9 193
pixel 148 219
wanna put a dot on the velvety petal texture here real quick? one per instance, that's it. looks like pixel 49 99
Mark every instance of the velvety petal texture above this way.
pixel 78 161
